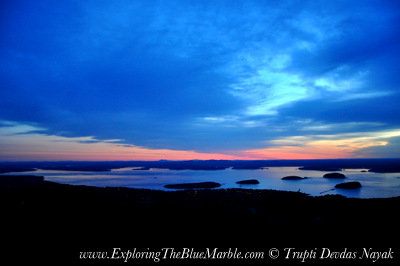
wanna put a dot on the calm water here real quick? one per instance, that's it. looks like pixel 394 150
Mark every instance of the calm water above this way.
pixel 374 185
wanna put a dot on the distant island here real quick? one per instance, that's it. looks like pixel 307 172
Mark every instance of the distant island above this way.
pixel 386 169
pixel 248 182
pixel 194 185
pixel 293 177
pixel 334 176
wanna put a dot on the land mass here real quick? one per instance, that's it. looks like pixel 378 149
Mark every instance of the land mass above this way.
pixel 193 185
pixel 58 214
pixel 293 177
pixel 376 165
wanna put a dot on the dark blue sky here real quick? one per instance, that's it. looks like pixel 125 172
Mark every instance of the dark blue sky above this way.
pixel 226 77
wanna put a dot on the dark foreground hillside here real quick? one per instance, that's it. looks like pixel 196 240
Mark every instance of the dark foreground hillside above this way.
pixel 40 217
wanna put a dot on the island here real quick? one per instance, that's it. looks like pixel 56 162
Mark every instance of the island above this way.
pixel 293 177
pixel 334 175
pixel 248 182
pixel 349 185
pixel 387 169
pixel 193 185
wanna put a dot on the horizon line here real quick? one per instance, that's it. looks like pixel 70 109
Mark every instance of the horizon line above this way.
pixel 42 161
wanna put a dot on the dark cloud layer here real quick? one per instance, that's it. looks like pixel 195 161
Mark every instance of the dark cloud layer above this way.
pixel 199 76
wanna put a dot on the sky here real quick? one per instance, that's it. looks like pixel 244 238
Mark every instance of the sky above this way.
pixel 179 80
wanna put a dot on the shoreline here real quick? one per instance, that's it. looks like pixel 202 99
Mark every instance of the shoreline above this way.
pixel 372 185
pixel 379 165
pixel 66 219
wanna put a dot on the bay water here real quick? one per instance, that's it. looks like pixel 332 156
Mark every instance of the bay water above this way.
pixel 374 185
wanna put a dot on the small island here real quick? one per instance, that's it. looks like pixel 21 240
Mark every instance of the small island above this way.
pixel 293 177
pixel 193 185
pixel 349 185
pixel 334 175
pixel 248 182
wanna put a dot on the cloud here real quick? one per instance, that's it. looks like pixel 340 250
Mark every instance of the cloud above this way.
pixel 390 150
pixel 348 145
pixel 19 143
pixel 206 76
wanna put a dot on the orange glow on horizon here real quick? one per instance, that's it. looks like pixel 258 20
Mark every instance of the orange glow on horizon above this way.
pixel 306 148
pixel 42 147
pixel 296 153
pixel 56 148
pixel 39 147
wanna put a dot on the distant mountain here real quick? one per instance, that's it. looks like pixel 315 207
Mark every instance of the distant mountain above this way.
pixel 375 165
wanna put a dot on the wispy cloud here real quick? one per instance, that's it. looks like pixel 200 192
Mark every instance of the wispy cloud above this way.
pixel 348 145
pixel 19 145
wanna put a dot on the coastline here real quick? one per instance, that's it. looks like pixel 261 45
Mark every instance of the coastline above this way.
pixel 378 165
pixel 60 213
